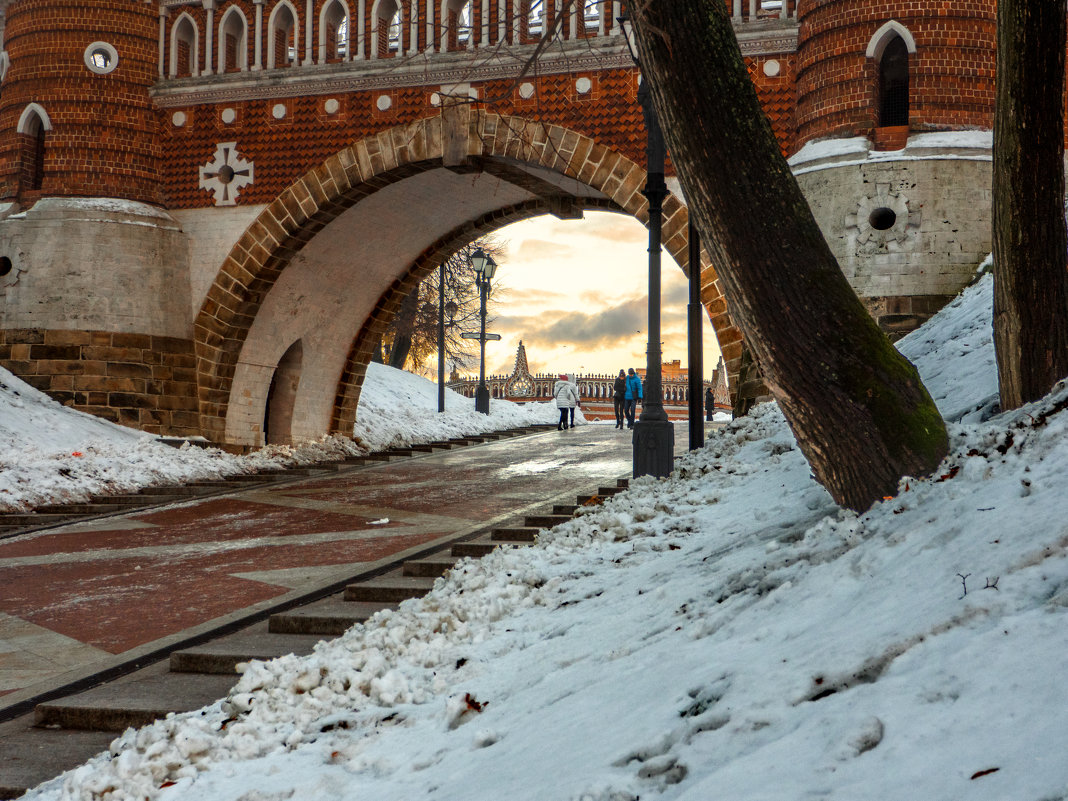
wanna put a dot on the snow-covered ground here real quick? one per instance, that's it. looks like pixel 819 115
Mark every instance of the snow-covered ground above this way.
pixel 51 454
pixel 724 634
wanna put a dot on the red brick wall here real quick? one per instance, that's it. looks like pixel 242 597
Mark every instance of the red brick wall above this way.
pixel 951 74
pixel 103 140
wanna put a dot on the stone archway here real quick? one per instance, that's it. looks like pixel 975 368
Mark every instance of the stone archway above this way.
pixel 461 140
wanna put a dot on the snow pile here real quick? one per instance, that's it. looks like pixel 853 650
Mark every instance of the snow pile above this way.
pixel 52 454
pixel 727 633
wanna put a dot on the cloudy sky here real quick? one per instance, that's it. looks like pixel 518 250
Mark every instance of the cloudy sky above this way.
pixel 575 292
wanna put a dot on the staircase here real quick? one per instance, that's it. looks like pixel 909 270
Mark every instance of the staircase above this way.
pixel 61 733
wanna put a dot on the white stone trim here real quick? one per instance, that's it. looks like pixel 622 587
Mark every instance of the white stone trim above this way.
pixel 882 37
pixel 33 110
pixel 323 55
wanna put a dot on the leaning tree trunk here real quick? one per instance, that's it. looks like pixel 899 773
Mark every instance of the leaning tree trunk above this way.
pixel 857 407
pixel 1030 262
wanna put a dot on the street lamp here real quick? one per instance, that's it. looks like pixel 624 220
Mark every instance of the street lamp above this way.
pixel 654 434
pixel 485 267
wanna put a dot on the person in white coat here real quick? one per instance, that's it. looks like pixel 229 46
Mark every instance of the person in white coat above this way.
pixel 566 399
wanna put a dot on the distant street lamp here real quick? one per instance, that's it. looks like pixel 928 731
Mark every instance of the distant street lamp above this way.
pixel 485 267
pixel 654 434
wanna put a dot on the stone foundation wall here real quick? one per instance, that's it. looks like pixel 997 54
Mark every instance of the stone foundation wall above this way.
pixel 137 380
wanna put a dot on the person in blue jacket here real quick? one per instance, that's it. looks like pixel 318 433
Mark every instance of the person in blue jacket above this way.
pixel 631 396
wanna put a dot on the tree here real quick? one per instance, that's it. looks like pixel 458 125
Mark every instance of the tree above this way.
pixel 412 335
pixel 1030 243
pixel 858 409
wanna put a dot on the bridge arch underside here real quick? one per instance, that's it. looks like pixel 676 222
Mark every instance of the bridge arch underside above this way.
pixel 328 262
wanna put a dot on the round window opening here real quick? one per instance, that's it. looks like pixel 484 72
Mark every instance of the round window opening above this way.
pixel 882 219
pixel 5 265
pixel 225 174
pixel 101 58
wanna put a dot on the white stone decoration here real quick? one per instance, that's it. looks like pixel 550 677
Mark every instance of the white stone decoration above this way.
pixel 332 105
pixel 101 58
pixel 772 68
pixel 526 90
pixel 885 201
pixel 435 99
pixel 178 119
pixel 384 102
pixel 278 111
pixel 583 85
pixel 226 175
pixel 228 116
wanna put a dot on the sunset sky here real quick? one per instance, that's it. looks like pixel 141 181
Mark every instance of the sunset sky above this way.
pixel 575 292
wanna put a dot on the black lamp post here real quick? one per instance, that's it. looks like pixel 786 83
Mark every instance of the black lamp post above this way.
pixel 654 434
pixel 484 267
pixel 694 341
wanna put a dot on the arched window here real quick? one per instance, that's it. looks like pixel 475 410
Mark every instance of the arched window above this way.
pixel 456 24
pixel 185 48
pixel 233 41
pixel 386 30
pixel 534 18
pixel 283 36
pixel 894 84
pixel 591 16
pixel 334 32
pixel 32 129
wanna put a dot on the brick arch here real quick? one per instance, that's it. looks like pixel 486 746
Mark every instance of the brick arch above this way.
pixel 303 209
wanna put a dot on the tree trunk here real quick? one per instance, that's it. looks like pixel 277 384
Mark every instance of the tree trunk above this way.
pixel 1030 244
pixel 404 330
pixel 857 407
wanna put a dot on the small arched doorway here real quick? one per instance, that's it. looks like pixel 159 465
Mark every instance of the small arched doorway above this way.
pixel 282 397
pixel 894 84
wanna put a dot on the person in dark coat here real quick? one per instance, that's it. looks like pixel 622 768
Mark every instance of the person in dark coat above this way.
pixel 710 404
pixel 618 391
pixel 631 395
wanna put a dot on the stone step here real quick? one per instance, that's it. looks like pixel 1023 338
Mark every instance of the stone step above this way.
pixel 479 548
pixel 515 534
pixel 443 445
pixel 388 589
pixel 131 501
pixel 431 567
pixel 30 756
pixel 134 702
pixel 29 520
pixel 609 491
pixel 623 482
pixel 564 508
pixel 545 521
pixel 399 452
pixel 223 655
pixel 176 491
pixel 80 509
pixel 331 616
pixel 422 448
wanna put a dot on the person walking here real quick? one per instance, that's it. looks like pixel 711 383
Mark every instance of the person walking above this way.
pixel 631 395
pixel 566 398
pixel 619 389
pixel 710 404
pixel 578 398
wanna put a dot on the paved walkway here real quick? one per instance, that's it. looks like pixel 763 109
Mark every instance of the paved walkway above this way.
pixel 75 599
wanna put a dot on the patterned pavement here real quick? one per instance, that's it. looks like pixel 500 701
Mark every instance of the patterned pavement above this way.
pixel 72 598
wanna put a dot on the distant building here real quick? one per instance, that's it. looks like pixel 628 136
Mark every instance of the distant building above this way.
pixel 595 390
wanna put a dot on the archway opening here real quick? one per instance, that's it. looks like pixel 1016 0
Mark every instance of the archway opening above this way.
pixel 282 397
pixel 894 84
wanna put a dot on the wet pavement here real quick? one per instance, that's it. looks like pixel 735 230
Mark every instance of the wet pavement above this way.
pixel 81 597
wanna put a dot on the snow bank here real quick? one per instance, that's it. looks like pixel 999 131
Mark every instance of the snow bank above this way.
pixel 726 633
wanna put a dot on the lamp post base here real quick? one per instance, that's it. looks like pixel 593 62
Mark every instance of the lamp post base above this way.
pixel 482 396
pixel 654 448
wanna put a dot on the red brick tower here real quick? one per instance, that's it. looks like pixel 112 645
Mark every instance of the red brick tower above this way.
pixel 76 118
pixel 881 68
